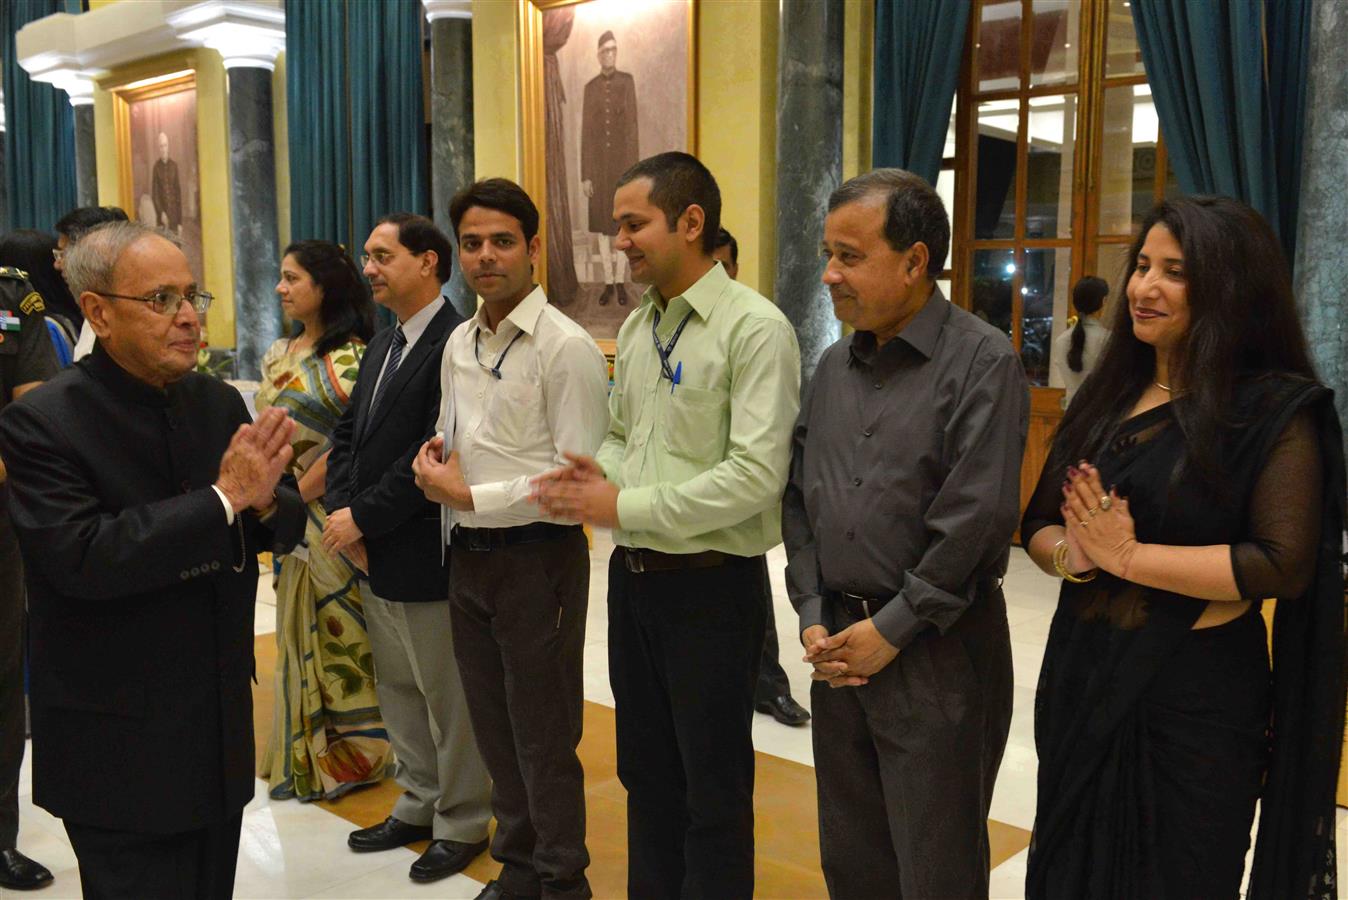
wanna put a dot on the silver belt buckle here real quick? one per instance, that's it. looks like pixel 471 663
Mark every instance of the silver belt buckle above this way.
pixel 634 560
pixel 866 608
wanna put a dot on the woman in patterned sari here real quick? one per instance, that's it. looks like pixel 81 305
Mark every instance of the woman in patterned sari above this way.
pixel 327 733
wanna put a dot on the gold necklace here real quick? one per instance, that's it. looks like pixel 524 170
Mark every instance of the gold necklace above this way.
pixel 1164 387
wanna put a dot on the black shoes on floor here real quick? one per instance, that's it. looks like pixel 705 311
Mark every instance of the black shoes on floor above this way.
pixel 19 873
pixel 784 710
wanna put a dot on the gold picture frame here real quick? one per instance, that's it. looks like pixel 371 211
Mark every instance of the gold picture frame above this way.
pixel 158 186
pixel 641 25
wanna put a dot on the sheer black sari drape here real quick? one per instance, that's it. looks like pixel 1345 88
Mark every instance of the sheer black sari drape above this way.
pixel 1155 740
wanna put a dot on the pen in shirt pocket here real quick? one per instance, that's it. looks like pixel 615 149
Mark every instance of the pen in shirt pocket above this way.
pixel 678 376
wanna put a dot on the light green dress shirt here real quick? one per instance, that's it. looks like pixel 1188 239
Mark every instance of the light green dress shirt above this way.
pixel 702 466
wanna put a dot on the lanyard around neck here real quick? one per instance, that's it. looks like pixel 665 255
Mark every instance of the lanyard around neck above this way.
pixel 664 351
pixel 496 369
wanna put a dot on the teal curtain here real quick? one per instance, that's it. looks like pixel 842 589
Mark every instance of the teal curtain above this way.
pixel 357 127
pixel 39 139
pixel 919 45
pixel 1231 126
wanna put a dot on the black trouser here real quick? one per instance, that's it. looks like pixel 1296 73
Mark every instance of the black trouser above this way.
pixel 12 729
pixel 189 865
pixel 518 614
pixel 906 763
pixel 684 647
pixel 772 680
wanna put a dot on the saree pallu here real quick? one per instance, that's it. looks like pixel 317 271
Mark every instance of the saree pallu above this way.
pixel 1155 740
pixel 327 733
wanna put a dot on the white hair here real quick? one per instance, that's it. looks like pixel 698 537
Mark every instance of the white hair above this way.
pixel 89 262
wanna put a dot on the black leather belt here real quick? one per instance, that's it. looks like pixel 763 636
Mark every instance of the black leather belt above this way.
pixel 640 560
pixel 492 538
pixel 859 607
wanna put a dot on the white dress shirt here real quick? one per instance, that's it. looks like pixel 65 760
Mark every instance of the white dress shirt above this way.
pixel 413 329
pixel 551 398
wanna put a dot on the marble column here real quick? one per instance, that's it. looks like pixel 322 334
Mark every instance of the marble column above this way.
pixel 809 164
pixel 1322 255
pixel 86 163
pixel 252 169
pixel 452 167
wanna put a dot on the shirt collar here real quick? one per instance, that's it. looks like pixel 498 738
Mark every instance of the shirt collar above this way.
pixel 121 382
pixel 524 316
pixel 421 319
pixel 702 295
pixel 921 334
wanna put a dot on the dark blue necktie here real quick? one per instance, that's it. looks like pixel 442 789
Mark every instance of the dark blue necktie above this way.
pixel 395 356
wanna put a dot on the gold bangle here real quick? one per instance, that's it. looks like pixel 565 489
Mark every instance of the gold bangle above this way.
pixel 1060 563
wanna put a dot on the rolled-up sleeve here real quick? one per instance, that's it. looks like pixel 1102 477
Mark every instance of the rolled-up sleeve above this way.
pixel 977 505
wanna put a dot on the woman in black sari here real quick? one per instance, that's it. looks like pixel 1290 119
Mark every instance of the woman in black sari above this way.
pixel 1198 471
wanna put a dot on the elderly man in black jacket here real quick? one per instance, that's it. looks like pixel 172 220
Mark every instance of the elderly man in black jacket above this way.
pixel 141 494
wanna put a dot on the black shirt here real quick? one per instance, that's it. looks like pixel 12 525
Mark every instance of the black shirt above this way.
pixel 905 471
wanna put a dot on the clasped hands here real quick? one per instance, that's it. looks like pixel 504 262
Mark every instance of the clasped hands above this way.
pixel 255 459
pixel 578 492
pixel 848 658
pixel 1100 527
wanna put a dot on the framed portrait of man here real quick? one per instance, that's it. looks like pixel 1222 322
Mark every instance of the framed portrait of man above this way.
pixel 156 124
pixel 607 83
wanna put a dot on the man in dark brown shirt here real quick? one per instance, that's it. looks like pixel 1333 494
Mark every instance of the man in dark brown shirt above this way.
pixel 898 516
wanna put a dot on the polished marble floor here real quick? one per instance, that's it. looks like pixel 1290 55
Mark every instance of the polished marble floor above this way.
pixel 293 850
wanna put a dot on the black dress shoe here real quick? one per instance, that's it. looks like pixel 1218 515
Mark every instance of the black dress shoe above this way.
pixel 386 835
pixel 443 858
pixel 19 873
pixel 784 710
pixel 621 291
pixel 492 890
pixel 603 296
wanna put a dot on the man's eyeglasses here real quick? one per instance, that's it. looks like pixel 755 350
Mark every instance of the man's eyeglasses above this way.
pixel 57 254
pixel 167 303
pixel 381 257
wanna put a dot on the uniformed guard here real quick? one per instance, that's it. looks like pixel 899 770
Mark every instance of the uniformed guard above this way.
pixel 26 359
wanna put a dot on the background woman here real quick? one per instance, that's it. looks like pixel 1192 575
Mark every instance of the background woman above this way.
pixel 1076 351
pixel 31 251
pixel 1199 470
pixel 327 734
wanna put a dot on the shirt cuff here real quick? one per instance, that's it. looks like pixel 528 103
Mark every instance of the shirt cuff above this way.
pixel 636 508
pixel 491 497
pixel 229 507
pixel 897 623
pixel 811 612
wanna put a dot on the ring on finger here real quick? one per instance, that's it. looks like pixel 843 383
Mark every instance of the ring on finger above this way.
pixel 1093 511
pixel 1106 501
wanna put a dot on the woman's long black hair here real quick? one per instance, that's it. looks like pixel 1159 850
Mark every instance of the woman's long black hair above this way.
pixel 30 250
pixel 1087 297
pixel 347 310
pixel 1242 323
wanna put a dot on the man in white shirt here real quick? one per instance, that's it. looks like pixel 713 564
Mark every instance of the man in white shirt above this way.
pixel 522 387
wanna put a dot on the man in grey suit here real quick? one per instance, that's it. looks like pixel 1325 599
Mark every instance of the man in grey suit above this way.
pixel 380 519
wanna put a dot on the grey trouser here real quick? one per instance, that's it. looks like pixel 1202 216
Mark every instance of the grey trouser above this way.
pixel 444 782
pixel 906 763
pixel 519 623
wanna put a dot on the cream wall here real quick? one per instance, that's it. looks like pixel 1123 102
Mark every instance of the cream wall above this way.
pixel 281 141
pixel 212 164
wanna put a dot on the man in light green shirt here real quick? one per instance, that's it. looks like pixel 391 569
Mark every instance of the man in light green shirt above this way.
pixel 690 477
